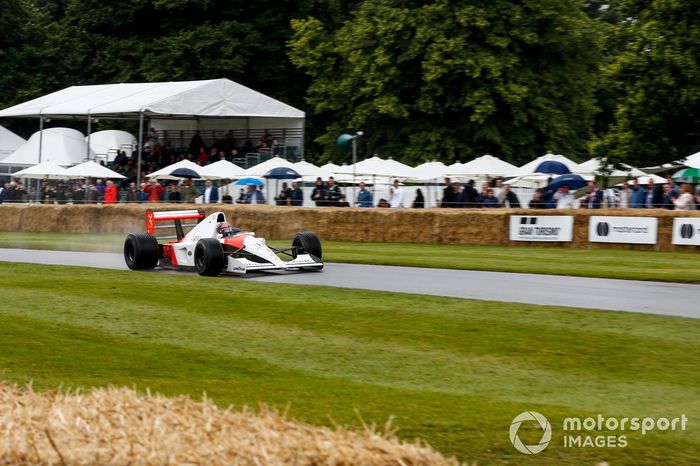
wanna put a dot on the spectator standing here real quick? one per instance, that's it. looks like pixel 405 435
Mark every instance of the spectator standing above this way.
pixel 396 195
pixel 174 195
pixel 297 194
pixel 153 190
pixel 470 196
pixel 652 196
pixel 91 195
pixel 637 195
pixel 510 199
pixel 449 198
pixel 364 197
pixel 333 193
pixel 626 196
pixel 133 195
pixel 537 202
pixel 419 201
pixel 563 198
pixel 191 192
pixel 667 196
pixel 490 200
pixel 211 192
pixel 111 193
pixel 343 202
pixel 686 200
pixel 594 197
pixel 499 191
pixel 78 194
pixel 284 197
pixel 319 194
pixel 253 196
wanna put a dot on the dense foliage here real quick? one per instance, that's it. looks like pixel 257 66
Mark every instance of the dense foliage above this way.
pixel 446 79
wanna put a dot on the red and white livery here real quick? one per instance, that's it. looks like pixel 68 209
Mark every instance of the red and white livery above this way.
pixel 213 246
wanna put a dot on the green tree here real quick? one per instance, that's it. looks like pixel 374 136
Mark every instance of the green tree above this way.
pixel 454 79
pixel 656 81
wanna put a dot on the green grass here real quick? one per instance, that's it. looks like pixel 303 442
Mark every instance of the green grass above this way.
pixel 452 372
pixel 605 263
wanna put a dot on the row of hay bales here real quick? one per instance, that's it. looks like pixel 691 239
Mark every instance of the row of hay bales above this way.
pixel 121 427
pixel 448 226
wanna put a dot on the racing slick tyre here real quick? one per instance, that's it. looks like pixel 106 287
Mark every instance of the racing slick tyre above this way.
pixel 209 257
pixel 309 243
pixel 141 251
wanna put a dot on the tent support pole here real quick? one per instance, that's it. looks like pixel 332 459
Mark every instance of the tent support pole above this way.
pixel 138 162
pixel 89 124
pixel 41 142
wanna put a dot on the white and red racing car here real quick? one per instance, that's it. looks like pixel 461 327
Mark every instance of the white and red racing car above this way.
pixel 213 246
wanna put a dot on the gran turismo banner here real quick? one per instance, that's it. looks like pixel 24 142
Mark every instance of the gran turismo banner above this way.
pixel 557 228
pixel 686 231
pixel 631 230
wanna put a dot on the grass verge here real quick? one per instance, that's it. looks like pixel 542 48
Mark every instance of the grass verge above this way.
pixel 603 263
pixel 452 372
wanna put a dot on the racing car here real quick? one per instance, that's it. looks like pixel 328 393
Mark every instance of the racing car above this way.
pixel 213 246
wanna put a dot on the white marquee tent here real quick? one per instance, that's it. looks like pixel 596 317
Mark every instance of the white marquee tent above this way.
pixel 92 169
pixel 164 173
pixel 210 98
pixel 486 165
pixel 531 166
pixel 44 170
pixel 262 168
pixel 62 146
pixel 107 142
pixel 219 100
pixel 9 142
pixel 222 169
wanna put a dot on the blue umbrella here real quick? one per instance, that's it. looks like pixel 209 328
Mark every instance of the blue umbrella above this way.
pixel 282 173
pixel 552 166
pixel 249 181
pixel 184 173
pixel 574 182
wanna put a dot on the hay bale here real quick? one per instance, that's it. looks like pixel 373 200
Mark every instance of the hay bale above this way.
pixel 447 226
pixel 118 427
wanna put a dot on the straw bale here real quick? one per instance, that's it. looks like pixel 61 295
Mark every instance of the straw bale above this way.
pixel 117 426
pixel 448 226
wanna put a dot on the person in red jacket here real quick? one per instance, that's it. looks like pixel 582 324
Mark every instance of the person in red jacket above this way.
pixel 154 190
pixel 111 193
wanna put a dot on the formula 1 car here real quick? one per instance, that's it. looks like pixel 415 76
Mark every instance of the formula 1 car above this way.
pixel 213 246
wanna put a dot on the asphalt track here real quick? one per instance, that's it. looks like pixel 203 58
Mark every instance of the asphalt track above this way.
pixel 671 299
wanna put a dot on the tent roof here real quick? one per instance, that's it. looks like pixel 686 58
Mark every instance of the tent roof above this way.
pixel 210 98
pixel 44 170
pixel 92 170
pixel 9 141
pixel 530 167
pixel 222 169
pixel 262 168
pixel 487 165
pixel 375 166
pixel 62 146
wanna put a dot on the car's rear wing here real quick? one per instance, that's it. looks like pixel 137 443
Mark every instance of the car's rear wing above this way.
pixel 176 217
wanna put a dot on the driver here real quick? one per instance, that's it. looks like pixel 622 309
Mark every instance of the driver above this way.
pixel 226 230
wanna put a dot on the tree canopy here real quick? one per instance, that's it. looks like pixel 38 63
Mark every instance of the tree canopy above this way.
pixel 430 79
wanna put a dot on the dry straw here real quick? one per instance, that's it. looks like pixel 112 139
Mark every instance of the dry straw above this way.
pixel 121 427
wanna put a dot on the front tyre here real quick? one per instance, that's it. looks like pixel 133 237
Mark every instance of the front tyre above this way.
pixel 209 257
pixel 307 242
pixel 141 251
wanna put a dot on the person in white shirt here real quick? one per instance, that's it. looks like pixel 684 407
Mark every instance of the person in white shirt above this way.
pixel 396 193
pixel 565 200
pixel 211 192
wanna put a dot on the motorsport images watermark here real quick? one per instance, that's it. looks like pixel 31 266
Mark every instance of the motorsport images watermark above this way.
pixel 573 427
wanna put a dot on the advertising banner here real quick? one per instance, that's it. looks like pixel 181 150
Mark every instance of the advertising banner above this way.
pixel 541 227
pixel 631 230
pixel 686 231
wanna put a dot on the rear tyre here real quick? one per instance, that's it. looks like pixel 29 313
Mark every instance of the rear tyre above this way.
pixel 307 242
pixel 209 257
pixel 141 251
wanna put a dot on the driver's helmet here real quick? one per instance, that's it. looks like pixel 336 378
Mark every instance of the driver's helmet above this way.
pixel 225 229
